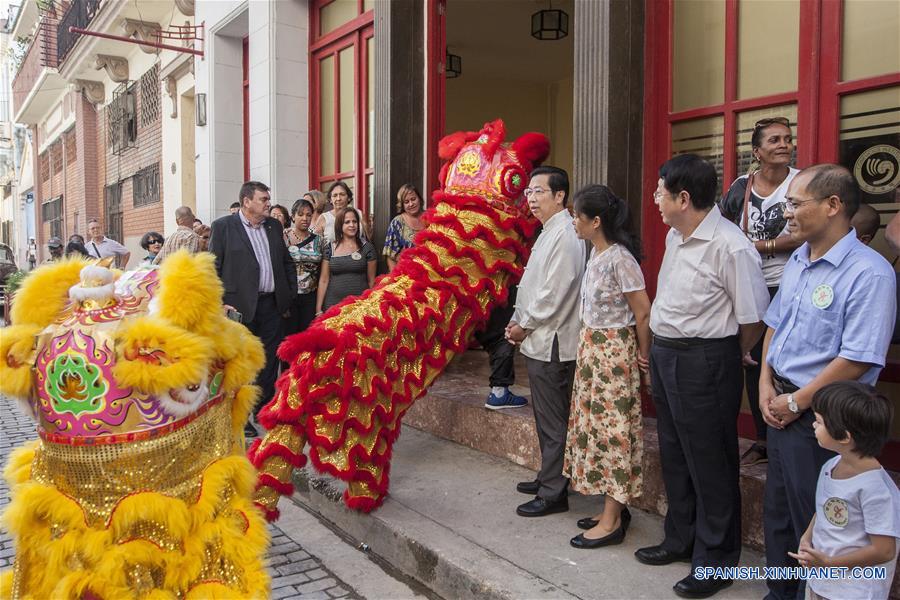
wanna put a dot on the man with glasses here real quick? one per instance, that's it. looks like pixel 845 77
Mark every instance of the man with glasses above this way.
pixel 100 246
pixel 183 237
pixel 546 324
pixel 710 301
pixel 831 320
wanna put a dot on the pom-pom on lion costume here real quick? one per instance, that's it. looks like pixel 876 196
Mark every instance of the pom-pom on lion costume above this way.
pixel 358 368
pixel 138 486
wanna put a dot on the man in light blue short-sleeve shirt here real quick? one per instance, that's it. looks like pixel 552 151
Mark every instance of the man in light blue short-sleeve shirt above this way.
pixel 831 320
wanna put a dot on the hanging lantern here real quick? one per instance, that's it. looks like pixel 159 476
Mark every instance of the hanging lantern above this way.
pixel 550 24
pixel 454 66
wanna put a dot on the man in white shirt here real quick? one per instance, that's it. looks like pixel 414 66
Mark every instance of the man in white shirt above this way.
pixel 100 246
pixel 546 324
pixel 710 300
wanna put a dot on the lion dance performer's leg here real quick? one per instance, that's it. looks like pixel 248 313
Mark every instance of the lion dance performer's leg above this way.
pixel 357 370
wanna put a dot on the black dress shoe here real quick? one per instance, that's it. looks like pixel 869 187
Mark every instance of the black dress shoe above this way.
pixel 528 487
pixel 589 523
pixel 691 587
pixel 657 555
pixel 540 507
pixel 611 539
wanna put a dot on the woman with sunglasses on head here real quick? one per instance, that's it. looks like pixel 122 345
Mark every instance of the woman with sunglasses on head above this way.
pixel 152 242
pixel 755 203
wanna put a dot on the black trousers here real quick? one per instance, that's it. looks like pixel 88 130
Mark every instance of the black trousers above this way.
pixel 795 459
pixel 551 396
pixel 303 311
pixel 267 326
pixel 751 381
pixel 697 393
pixel 493 339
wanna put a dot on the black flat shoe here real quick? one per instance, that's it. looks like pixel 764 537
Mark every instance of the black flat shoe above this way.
pixel 528 487
pixel 657 555
pixel 589 523
pixel 691 587
pixel 540 507
pixel 616 537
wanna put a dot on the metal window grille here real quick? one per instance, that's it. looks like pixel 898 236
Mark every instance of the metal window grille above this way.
pixel 79 13
pixel 114 225
pixel 121 119
pixel 71 152
pixel 145 186
pixel 150 96
pixel 51 212
pixel 56 157
pixel 45 166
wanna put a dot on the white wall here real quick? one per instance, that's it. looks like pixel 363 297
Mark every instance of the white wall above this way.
pixel 279 104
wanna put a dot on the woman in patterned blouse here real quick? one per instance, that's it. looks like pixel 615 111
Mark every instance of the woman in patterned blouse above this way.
pixel 405 225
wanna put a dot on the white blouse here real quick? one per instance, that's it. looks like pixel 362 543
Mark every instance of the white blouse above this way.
pixel 608 277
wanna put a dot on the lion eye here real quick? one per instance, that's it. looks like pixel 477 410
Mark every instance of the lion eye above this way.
pixel 193 388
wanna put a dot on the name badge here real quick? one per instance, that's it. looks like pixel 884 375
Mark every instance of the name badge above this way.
pixel 823 296
pixel 356 256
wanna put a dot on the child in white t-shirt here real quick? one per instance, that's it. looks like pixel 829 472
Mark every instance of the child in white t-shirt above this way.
pixel 857 520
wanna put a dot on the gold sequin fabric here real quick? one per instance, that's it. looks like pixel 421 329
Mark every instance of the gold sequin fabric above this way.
pixel 131 520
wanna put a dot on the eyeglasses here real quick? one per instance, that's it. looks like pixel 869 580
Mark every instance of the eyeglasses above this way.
pixel 763 123
pixel 151 242
pixel 793 205
pixel 529 192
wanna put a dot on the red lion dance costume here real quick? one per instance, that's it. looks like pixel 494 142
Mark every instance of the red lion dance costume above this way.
pixel 357 370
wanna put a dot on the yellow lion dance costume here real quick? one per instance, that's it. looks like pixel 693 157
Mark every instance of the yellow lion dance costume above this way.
pixel 138 486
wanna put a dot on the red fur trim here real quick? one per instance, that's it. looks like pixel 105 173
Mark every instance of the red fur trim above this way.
pixel 362 503
pixel 450 145
pixel 271 514
pixel 258 457
pixel 266 480
pixel 532 147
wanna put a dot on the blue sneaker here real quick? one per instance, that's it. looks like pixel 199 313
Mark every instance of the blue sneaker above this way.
pixel 507 400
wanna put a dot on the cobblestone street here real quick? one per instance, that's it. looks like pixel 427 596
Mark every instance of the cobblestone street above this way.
pixel 296 572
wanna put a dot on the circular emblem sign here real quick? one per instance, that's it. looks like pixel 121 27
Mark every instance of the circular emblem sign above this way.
pixel 877 170
pixel 837 512
pixel 823 296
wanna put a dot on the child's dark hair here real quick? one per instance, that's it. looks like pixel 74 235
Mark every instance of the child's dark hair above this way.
pixel 858 409
pixel 599 201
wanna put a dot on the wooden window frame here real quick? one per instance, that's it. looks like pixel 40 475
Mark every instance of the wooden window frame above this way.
pixel 355 34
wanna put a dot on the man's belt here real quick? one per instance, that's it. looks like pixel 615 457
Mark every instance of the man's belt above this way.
pixel 691 342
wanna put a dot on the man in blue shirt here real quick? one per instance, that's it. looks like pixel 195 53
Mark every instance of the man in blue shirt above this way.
pixel 831 320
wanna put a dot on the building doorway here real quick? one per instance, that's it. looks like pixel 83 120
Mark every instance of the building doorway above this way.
pixel 508 74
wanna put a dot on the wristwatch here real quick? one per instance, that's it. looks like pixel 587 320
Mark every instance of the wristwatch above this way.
pixel 792 404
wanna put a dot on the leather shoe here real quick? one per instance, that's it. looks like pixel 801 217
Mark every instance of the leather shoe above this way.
pixel 611 539
pixel 589 523
pixel 691 587
pixel 657 555
pixel 540 507
pixel 528 487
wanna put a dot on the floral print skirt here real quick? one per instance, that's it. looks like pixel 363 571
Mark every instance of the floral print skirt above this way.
pixel 604 445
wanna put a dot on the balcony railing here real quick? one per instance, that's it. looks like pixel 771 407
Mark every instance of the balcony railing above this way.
pixel 79 14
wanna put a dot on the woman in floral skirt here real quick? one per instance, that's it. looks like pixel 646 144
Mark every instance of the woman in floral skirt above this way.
pixel 604 446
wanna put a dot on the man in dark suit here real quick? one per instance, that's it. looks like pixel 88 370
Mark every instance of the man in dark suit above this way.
pixel 258 275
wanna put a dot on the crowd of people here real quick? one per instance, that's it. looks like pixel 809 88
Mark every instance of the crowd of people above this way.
pixel 771 289
pixel 775 287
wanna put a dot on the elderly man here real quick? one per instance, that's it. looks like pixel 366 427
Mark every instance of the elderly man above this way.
pixel 100 246
pixel 184 235
pixel 258 274
pixel 546 324
pixel 831 320
pixel 710 300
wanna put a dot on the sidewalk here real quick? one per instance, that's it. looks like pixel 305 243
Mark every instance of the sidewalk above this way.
pixel 450 523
